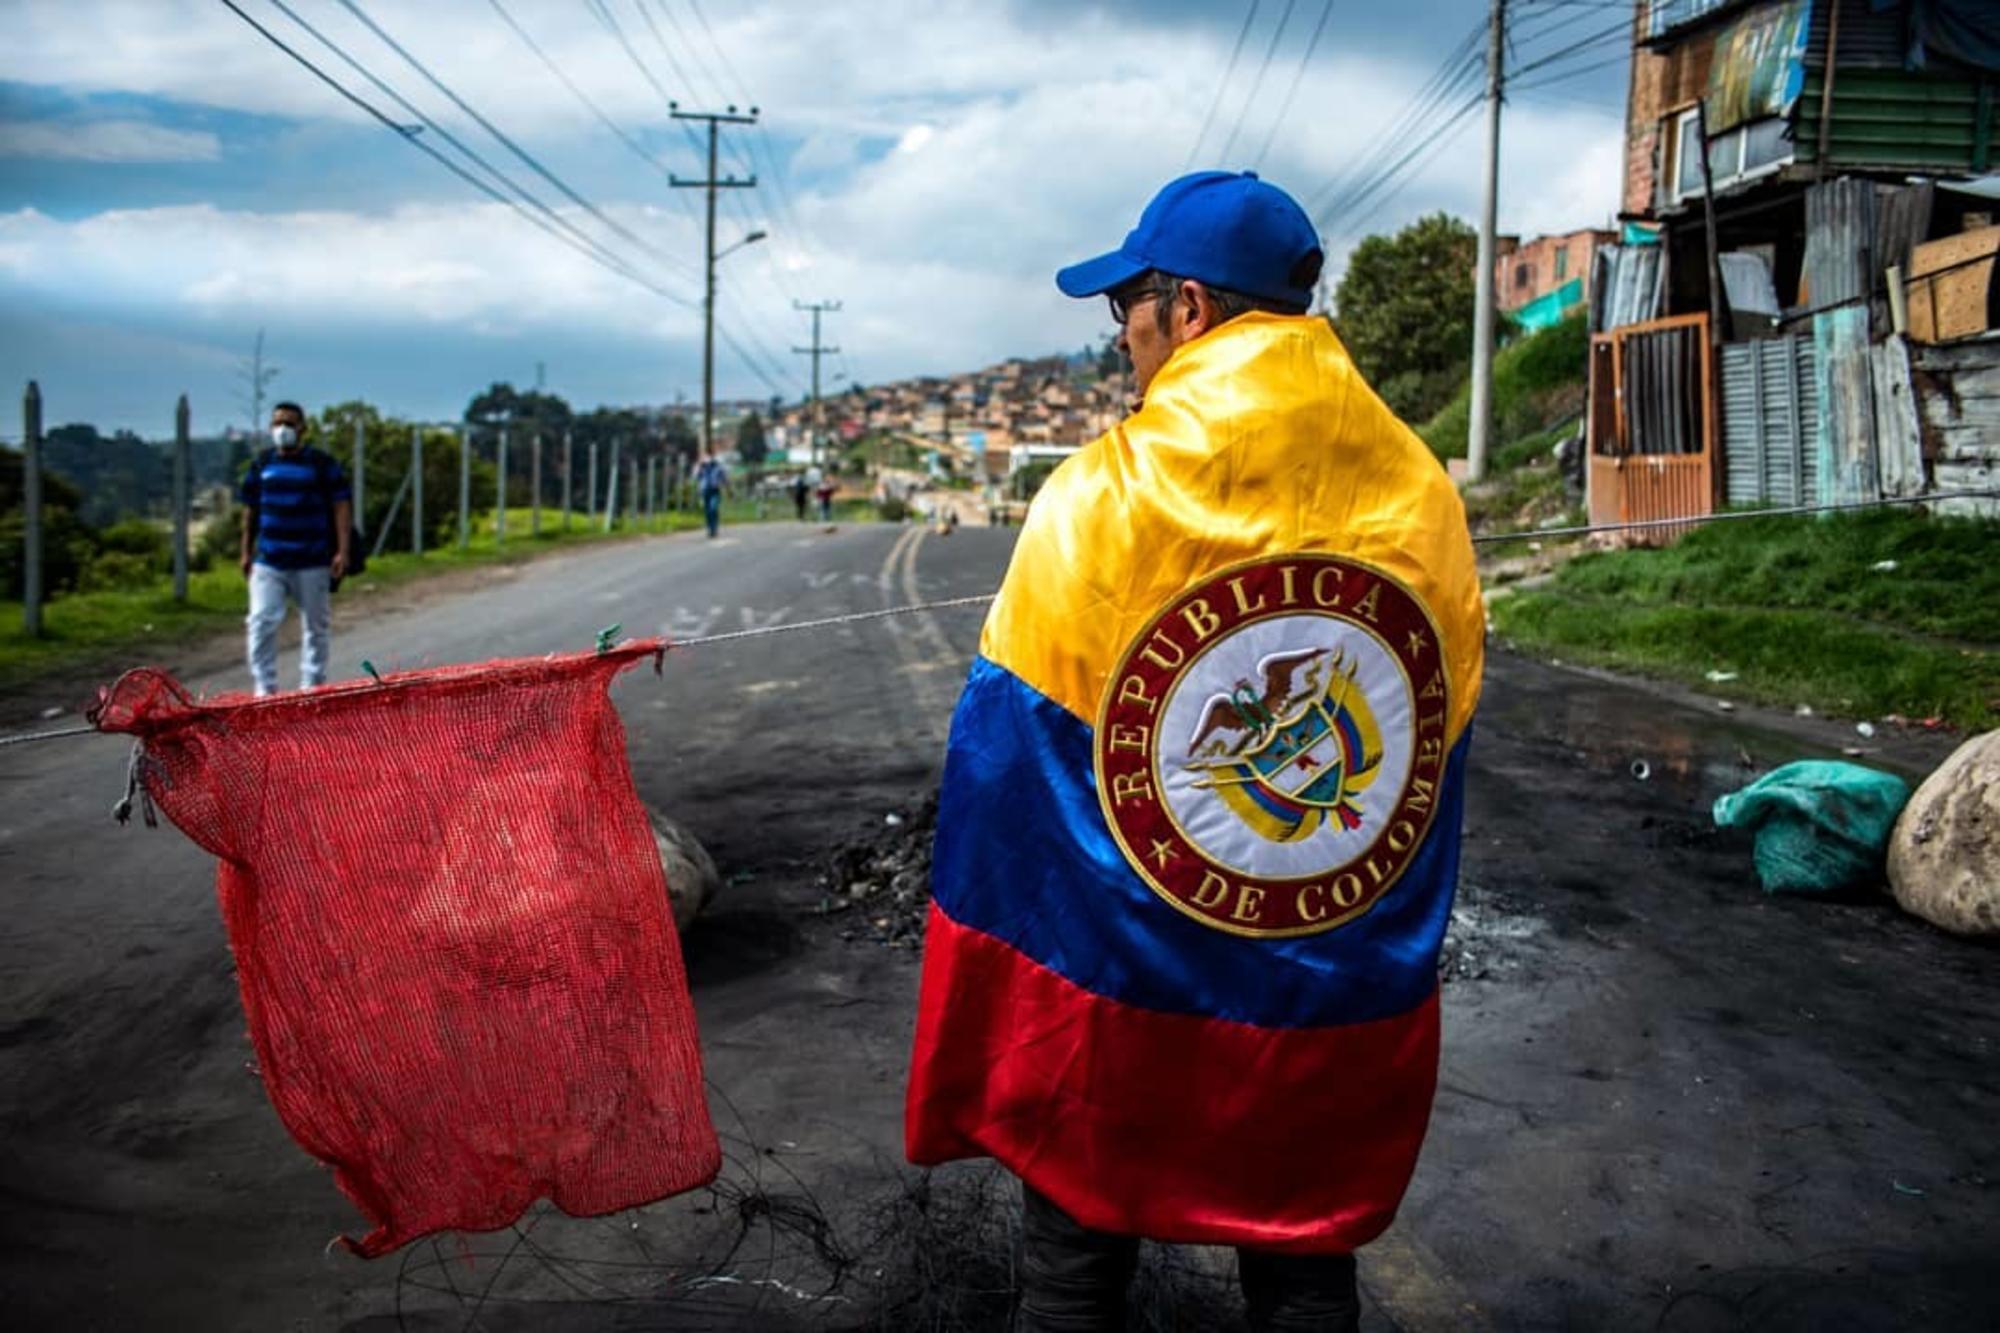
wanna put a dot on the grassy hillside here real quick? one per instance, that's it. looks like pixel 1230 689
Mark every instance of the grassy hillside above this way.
pixel 1538 381
pixel 1856 614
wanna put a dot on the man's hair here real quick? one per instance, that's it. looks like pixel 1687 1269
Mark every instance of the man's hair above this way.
pixel 288 406
pixel 1228 304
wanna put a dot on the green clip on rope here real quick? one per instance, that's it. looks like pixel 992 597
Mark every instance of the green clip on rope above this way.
pixel 607 635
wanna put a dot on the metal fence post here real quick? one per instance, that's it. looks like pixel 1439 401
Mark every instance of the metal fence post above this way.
pixel 569 466
pixel 611 497
pixel 181 461
pixel 31 499
pixel 500 515
pixel 535 485
pixel 360 475
pixel 464 486
pixel 416 488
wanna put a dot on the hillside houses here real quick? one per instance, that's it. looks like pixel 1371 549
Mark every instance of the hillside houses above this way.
pixel 988 423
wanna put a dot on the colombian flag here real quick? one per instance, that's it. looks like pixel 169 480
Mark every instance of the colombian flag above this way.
pixel 1200 823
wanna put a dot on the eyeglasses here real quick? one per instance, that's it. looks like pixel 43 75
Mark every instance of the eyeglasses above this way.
pixel 1131 295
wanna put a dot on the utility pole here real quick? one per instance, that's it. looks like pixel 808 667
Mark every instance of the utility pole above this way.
pixel 711 184
pixel 1480 434
pixel 258 376
pixel 181 462
pixel 500 514
pixel 815 351
pixel 31 504
pixel 417 488
pixel 569 467
pixel 465 486
pixel 361 475
pixel 535 486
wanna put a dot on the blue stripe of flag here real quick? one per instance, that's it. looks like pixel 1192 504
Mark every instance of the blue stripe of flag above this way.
pixel 1024 855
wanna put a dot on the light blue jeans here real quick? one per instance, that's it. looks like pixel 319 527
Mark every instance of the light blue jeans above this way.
pixel 310 591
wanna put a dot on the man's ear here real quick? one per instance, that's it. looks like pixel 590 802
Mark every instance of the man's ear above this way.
pixel 1195 307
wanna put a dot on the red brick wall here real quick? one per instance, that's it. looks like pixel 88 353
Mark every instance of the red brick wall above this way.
pixel 1662 82
pixel 1538 258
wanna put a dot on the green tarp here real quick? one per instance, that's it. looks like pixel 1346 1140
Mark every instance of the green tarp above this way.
pixel 1546 311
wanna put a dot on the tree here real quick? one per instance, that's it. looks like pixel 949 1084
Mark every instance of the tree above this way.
pixel 750 444
pixel 1404 309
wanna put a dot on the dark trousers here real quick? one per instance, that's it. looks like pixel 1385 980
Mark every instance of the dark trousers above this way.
pixel 711 510
pixel 1073 1280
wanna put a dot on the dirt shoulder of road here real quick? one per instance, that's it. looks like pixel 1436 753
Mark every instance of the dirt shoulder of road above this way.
pixel 60 694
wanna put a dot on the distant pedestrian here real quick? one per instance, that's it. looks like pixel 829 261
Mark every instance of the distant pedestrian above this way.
pixel 709 478
pixel 297 521
pixel 823 489
pixel 801 490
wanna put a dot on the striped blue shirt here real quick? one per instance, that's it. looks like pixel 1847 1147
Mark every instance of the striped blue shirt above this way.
pixel 291 499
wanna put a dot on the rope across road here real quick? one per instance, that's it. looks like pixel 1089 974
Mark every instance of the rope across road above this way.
pixel 981 599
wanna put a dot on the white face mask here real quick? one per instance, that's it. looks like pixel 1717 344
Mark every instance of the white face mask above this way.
pixel 285 437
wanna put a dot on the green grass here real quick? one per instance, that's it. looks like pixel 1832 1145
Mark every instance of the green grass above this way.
pixel 83 630
pixel 1538 379
pixel 1796 608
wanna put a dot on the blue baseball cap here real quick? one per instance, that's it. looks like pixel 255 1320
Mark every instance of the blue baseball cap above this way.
pixel 1223 228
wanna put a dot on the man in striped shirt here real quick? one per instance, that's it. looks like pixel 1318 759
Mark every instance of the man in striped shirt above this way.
pixel 298 517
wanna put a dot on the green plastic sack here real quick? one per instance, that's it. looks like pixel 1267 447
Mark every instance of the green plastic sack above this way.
pixel 1821 826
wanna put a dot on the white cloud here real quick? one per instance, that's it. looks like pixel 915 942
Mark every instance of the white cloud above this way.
pixel 106 141
pixel 1030 138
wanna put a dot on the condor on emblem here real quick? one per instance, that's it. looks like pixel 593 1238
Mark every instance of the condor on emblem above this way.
pixel 1269 749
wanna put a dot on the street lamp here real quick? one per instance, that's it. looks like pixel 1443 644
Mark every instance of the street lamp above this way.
pixel 708 335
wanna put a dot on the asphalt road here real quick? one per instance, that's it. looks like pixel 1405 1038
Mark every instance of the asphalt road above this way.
pixel 1667 1101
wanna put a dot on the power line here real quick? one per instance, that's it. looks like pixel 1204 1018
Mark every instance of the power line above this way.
pixel 1438 137
pixel 646 13
pixel 407 134
pixel 1249 100
pixel 610 24
pixel 1576 73
pixel 1452 72
pixel 1436 142
pixel 598 250
pixel 1285 107
pixel 1221 88
pixel 526 157
pixel 623 136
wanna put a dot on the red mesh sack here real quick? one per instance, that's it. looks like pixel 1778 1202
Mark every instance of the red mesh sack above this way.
pixel 451 933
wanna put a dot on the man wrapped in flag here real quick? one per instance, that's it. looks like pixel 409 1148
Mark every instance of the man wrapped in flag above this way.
pixel 1200 824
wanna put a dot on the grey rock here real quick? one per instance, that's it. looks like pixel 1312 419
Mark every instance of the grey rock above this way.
pixel 692 879
pixel 1944 857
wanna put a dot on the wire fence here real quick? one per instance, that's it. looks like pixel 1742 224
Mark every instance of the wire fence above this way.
pixel 1483 539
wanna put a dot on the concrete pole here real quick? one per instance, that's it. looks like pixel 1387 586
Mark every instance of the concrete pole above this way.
pixel 590 492
pixel 611 499
pixel 569 467
pixel 500 515
pixel 31 499
pixel 708 312
pixel 416 488
pixel 535 485
pixel 360 475
pixel 464 487
pixel 1479 437
pixel 181 462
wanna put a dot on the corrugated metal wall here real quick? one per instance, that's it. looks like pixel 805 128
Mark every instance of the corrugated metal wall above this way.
pixel 1770 422
pixel 1884 115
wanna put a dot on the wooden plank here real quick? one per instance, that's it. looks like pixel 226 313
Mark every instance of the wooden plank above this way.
pixel 1899 439
pixel 1846 436
pixel 1948 302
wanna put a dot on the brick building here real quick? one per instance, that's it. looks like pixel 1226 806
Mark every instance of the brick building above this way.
pixel 1524 272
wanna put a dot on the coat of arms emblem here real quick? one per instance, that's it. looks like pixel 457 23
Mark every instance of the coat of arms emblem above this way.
pixel 1269 748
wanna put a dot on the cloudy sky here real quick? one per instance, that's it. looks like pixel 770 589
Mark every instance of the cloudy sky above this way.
pixel 171 182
